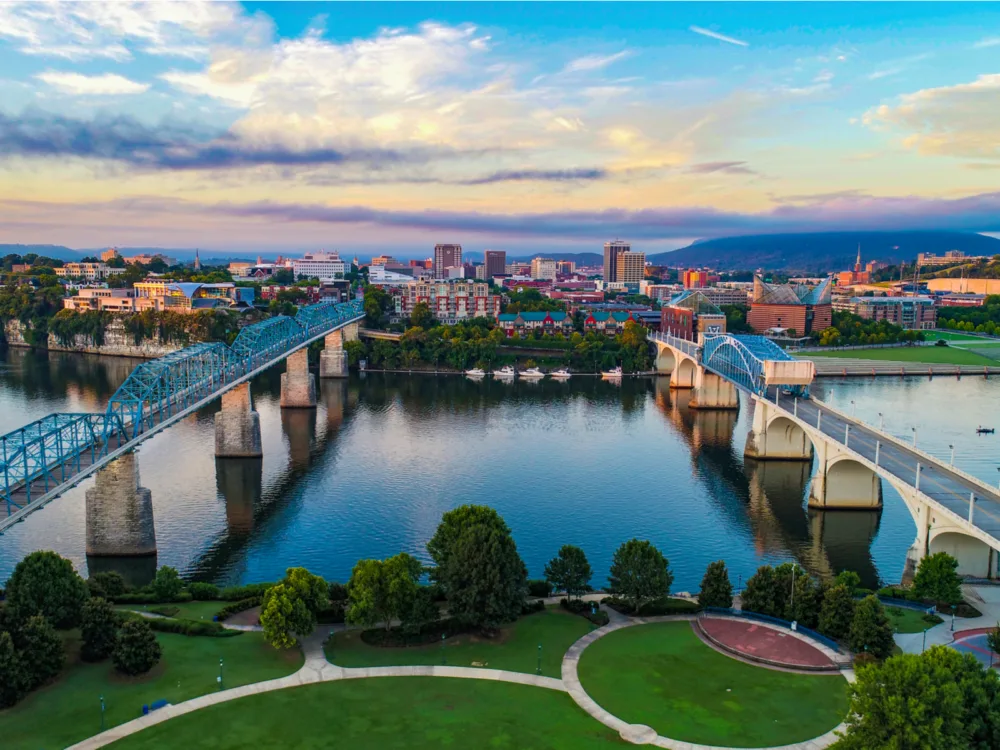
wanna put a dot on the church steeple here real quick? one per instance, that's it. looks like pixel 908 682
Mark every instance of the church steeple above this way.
pixel 857 265
pixel 197 261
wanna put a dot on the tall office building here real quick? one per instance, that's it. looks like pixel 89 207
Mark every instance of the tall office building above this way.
pixel 612 252
pixel 631 267
pixel 446 256
pixel 496 263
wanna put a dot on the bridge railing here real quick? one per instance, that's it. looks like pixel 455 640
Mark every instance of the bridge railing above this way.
pixel 691 348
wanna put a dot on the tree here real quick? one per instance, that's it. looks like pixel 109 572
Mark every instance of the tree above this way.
pixel 381 591
pixel 453 523
pixel 993 641
pixel 41 651
pixel 167 584
pixel 804 607
pixel 639 573
pixel 310 588
pixel 980 689
pixel 837 612
pixel 421 316
pixel 107 585
pixel 484 576
pixel 716 588
pixel 136 648
pixel 760 595
pixel 423 610
pixel 98 630
pixel 45 583
pixel 377 303
pixel 569 571
pixel 937 580
pixel 12 681
pixel 871 630
pixel 284 616
pixel 848 578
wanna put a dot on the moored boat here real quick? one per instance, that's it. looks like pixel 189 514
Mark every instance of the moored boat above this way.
pixel 613 374
pixel 504 372
pixel 533 373
pixel 561 374
pixel 475 372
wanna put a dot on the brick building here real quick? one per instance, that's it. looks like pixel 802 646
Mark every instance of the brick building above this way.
pixel 525 322
pixel 450 300
pixel 796 307
pixel 916 313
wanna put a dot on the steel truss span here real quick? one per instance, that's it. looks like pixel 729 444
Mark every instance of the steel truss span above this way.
pixel 47 456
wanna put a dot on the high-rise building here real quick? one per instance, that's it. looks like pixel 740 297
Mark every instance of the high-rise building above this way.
pixel 631 267
pixel 565 267
pixel 446 256
pixel 612 251
pixel 321 265
pixel 543 268
pixel 695 279
pixel 496 263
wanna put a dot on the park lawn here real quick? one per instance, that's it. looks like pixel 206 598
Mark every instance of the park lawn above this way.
pixel 515 649
pixel 907 620
pixel 663 676
pixel 186 610
pixel 950 336
pixel 416 713
pixel 68 710
pixel 936 355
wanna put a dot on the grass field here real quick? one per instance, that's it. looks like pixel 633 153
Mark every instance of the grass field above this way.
pixel 186 610
pixel 68 710
pixel 937 355
pixel 515 649
pixel 952 336
pixel 907 620
pixel 663 676
pixel 416 713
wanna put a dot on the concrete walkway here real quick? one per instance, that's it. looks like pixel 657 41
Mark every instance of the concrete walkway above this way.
pixel 985 598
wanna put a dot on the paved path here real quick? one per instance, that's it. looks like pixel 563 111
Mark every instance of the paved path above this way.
pixel 986 600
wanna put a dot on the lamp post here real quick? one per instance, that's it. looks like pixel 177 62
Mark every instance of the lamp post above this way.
pixel 914 436
pixel 952 453
pixel 220 674
pixel 443 658
pixel 793 588
pixel 538 669
pixel 923 644
pixel 881 422
pixel 102 713
pixel 854 408
pixel 952 618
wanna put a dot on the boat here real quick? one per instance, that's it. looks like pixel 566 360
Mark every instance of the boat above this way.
pixel 615 374
pixel 504 372
pixel 533 373
pixel 985 430
pixel 475 372
pixel 562 374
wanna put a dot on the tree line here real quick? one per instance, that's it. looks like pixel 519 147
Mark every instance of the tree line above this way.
pixel 985 319
pixel 849 329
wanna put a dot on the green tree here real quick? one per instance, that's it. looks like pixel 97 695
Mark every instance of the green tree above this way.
pixel 12 678
pixel 377 305
pixel 484 577
pixel 848 578
pixel 380 591
pixel 310 588
pixel 136 648
pixel 980 689
pixel 98 630
pixel 569 571
pixel 639 573
pixel 456 521
pixel 423 610
pixel 167 584
pixel 41 651
pixel 937 579
pixel 284 616
pixel 993 640
pixel 836 612
pixel 804 607
pixel 760 595
pixel 422 317
pixel 45 583
pixel 716 588
pixel 871 629
pixel 107 585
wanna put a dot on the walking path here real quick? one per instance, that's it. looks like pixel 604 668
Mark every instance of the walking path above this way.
pixel 986 600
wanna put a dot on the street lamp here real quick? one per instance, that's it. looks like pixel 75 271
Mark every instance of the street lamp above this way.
pixel 538 669
pixel 443 658
pixel 220 673
pixel 793 588
pixel 923 645
pixel 953 618
pixel 881 422
pixel 102 713
pixel 854 409
pixel 914 436
pixel 952 453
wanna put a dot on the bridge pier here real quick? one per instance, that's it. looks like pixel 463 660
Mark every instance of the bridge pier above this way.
pixel 298 386
pixel 773 436
pixel 712 391
pixel 237 425
pixel 333 358
pixel 842 482
pixel 240 482
pixel 120 512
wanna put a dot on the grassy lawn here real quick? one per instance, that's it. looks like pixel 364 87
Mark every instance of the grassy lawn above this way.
pixel 663 676
pixel 417 713
pixel 186 610
pixel 949 336
pixel 937 355
pixel 907 620
pixel 515 649
pixel 68 710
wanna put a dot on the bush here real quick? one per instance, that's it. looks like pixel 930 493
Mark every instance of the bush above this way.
pixel 338 592
pixel 332 615
pixel 204 592
pixel 182 627
pixel 238 593
pixel 41 651
pixel 539 588
pixel 963 609
pixel 898 592
pixel 165 611
pixel 12 681
pixel 241 606
pixel 585 609
pixel 148 597
pixel 430 633
pixel 530 608
pixel 45 583
pixel 655 608
pixel 931 619
pixel 107 585
pixel 98 630
pixel 136 649
pixel 167 584
pixel 864 658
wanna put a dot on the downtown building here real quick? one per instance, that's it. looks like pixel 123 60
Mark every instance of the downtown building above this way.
pixel 446 256
pixel 794 307
pixel 916 313
pixel 622 266
pixel 450 300
pixel 495 263
pixel 319 265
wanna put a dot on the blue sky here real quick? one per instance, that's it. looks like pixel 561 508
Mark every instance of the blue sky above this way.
pixel 292 126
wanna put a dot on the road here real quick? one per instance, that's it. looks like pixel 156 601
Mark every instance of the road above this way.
pixel 937 481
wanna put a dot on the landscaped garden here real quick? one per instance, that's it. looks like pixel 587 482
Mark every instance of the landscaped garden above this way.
pixel 935 355
pixel 906 620
pixel 663 676
pixel 417 713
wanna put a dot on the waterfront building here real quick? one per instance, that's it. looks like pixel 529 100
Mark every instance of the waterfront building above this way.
pixel 107 300
pixel 631 268
pixel 556 321
pixel 89 271
pixel 543 268
pixel 612 252
pixel 450 300
pixel 690 314
pixel 495 262
pixel 908 312
pixel 319 265
pixel 608 323
pixel 797 307
pixel 446 256
pixel 182 297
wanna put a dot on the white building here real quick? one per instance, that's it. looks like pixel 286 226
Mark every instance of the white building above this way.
pixel 543 268
pixel 379 275
pixel 319 265
pixel 88 271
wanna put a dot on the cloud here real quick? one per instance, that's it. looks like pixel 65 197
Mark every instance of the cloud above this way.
pixel 108 84
pixel 717 35
pixel 543 175
pixel 594 62
pixel 728 167
pixel 988 42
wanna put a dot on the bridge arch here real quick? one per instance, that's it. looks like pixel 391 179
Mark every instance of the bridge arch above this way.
pixel 842 482
pixel 774 435
pixel 666 360
pixel 975 557
pixel 684 373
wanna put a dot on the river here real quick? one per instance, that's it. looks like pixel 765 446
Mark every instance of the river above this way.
pixel 369 473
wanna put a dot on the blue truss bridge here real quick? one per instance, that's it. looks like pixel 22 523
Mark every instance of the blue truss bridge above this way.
pixel 43 459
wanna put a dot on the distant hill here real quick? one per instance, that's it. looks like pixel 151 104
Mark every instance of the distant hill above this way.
pixel 49 251
pixel 822 252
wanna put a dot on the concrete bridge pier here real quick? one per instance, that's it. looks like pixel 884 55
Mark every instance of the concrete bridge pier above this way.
pixel 333 358
pixel 237 425
pixel 937 532
pixel 241 482
pixel 298 386
pixel 774 436
pixel 120 512
pixel 842 482
pixel 712 391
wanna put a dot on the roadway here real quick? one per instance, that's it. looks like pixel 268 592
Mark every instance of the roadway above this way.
pixel 937 480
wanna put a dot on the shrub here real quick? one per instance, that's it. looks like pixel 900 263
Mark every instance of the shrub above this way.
pixel 863 659
pixel 539 588
pixel 238 593
pixel 183 627
pixel 165 611
pixel 430 633
pixel 45 583
pixel 576 606
pixel 332 615
pixel 166 585
pixel 148 597
pixel 338 592
pixel 531 607
pixel 898 592
pixel 203 592
pixel 111 582
pixel 98 630
pixel 931 619
pixel 716 588
pixel 41 651
pixel 12 681
pixel 136 649
pixel 241 606
pixel 654 608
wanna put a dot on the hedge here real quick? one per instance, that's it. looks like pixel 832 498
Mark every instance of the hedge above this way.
pixel 241 606
pixel 539 587
pixel 238 593
pixel 147 597
pixel 184 627
pixel 657 607
pixel 584 609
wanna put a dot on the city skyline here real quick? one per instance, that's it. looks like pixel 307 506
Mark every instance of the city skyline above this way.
pixel 395 127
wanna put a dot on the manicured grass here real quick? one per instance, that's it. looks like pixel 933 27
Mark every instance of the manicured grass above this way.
pixel 515 649
pixel 937 355
pixel 907 620
pixel 949 336
pixel 186 610
pixel 416 713
pixel 663 676
pixel 68 710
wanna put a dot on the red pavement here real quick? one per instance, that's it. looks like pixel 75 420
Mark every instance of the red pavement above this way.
pixel 758 640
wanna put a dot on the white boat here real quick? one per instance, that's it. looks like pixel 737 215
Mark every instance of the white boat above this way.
pixel 475 372
pixel 615 374
pixel 533 373
pixel 562 374
pixel 504 372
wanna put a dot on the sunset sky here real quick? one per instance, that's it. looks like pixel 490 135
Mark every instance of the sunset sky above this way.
pixel 369 127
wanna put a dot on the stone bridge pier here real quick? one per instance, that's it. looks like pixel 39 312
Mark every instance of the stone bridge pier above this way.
pixel 120 512
pixel 298 386
pixel 708 390
pixel 237 425
pixel 333 358
pixel 938 532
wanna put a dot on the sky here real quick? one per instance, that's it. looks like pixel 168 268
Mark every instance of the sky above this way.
pixel 389 127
